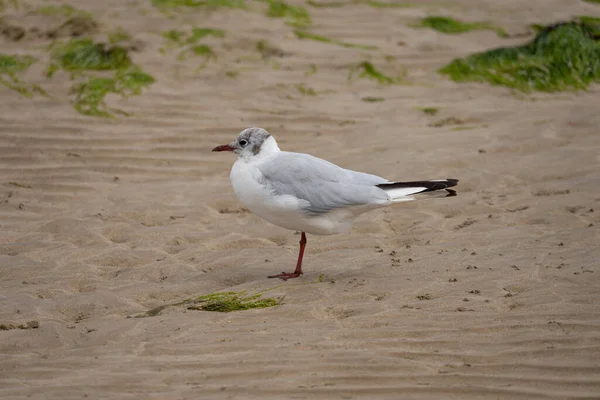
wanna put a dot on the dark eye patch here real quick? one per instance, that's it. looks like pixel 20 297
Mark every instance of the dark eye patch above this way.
pixel 243 142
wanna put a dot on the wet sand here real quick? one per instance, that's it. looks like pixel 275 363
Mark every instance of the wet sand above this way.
pixel 492 294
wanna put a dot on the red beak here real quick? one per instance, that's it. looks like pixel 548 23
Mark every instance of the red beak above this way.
pixel 224 147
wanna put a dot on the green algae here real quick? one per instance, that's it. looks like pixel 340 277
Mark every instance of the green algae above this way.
pixel 452 26
pixel 63 10
pixel 232 301
pixel 305 90
pixel 296 16
pixel 370 99
pixel 327 4
pixel 189 42
pixel 385 4
pixel 300 34
pixel 171 4
pixel 11 67
pixel 430 110
pixel 90 94
pixel 220 302
pixel 366 70
pixel 82 56
pixel 563 56
pixel 77 55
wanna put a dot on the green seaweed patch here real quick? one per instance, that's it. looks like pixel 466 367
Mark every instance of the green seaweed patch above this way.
pixel 369 99
pixel 385 4
pixel 592 1
pixel 175 36
pixel 300 34
pixel 199 33
pixel 452 26
pixel 19 185
pixel 296 16
pixel 63 10
pixel 189 42
pixel 367 70
pixel 182 38
pixel 327 4
pixel 430 110
pixel 589 20
pixel 448 121
pixel 372 3
pixel 220 302
pixel 78 55
pixel 563 56
pixel 305 90
pixel 11 66
pixel 232 301
pixel 90 94
pixel 172 4
pixel 202 50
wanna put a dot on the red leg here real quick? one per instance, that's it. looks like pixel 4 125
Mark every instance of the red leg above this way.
pixel 298 271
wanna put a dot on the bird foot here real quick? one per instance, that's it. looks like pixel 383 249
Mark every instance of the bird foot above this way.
pixel 286 275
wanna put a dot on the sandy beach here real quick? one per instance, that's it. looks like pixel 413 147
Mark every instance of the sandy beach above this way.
pixel 492 294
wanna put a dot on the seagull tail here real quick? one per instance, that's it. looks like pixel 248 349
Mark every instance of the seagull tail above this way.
pixel 407 191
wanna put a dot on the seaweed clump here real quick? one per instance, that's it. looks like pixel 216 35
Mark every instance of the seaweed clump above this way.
pixel 189 43
pixel 296 16
pixel 300 34
pixel 90 94
pixel 165 4
pixel 220 302
pixel 84 54
pixel 383 4
pixel 79 56
pixel 452 26
pixel 430 110
pixel 11 66
pixel 63 10
pixel 367 70
pixel 563 56
pixel 232 301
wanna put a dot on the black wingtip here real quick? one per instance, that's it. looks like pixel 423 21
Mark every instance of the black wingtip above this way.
pixel 452 182
pixel 429 186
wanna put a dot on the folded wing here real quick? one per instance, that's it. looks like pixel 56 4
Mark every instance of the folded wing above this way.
pixel 322 185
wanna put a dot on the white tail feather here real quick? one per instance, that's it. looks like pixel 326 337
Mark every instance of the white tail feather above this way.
pixel 407 191
pixel 420 196
pixel 402 192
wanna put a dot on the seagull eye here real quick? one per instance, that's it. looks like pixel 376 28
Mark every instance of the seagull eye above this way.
pixel 243 142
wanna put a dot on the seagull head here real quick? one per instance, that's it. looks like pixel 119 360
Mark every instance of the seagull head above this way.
pixel 251 142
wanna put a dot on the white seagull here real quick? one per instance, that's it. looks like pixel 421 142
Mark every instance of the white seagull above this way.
pixel 304 193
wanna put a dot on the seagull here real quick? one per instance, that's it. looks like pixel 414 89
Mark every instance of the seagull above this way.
pixel 307 194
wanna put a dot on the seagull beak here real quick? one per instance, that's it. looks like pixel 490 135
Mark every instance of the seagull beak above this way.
pixel 224 147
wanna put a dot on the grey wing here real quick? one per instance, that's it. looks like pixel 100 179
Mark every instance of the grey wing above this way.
pixel 323 185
